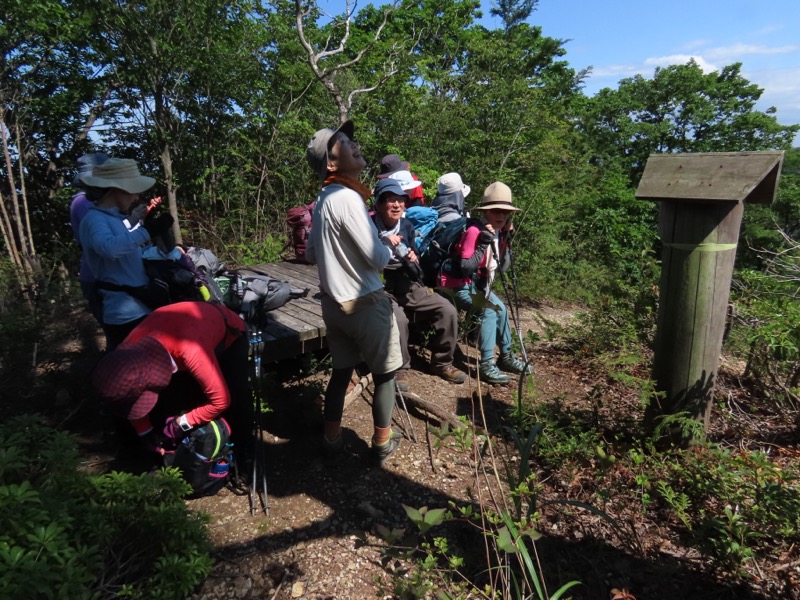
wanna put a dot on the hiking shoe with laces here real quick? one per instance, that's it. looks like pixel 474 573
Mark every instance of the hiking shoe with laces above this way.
pixel 511 364
pixel 380 454
pixel 449 373
pixel 401 380
pixel 491 374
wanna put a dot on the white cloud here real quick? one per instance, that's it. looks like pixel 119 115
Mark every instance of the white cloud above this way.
pixel 680 59
pixel 616 71
pixel 736 52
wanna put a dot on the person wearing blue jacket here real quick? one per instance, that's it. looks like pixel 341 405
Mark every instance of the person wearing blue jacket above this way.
pixel 113 252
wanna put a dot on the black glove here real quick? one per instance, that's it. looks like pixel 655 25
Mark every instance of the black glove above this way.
pixel 485 237
pixel 159 225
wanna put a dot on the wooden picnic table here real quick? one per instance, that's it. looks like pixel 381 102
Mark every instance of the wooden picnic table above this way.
pixel 296 327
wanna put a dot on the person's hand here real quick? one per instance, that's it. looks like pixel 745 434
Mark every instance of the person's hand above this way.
pixel 412 256
pixel 486 236
pixel 172 430
pixel 153 442
pixel 152 204
pixel 158 225
pixel 394 239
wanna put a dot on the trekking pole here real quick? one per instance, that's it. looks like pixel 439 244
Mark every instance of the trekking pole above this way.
pixel 258 474
pixel 512 304
pixel 408 417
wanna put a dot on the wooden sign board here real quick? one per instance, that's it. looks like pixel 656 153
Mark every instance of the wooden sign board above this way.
pixel 712 177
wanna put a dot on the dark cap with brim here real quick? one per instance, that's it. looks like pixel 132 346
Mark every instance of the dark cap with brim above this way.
pixel 385 186
pixel 320 144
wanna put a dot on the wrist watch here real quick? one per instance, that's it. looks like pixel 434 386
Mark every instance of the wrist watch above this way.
pixel 184 424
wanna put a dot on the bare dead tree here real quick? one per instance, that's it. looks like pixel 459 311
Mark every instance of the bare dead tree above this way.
pixel 328 74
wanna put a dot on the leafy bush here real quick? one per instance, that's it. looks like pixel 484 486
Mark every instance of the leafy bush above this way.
pixel 66 534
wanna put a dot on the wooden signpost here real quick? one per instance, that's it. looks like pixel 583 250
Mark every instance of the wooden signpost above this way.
pixel 702 198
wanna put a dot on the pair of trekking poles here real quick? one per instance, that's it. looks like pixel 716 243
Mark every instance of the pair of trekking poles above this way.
pixel 257 482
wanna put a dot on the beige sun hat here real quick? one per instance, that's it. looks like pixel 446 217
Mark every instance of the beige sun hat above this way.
pixel 120 173
pixel 497 196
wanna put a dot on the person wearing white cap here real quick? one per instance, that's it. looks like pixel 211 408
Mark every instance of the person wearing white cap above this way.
pixel 112 251
pixel 482 250
pixel 396 168
pixel 358 315
pixel 450 195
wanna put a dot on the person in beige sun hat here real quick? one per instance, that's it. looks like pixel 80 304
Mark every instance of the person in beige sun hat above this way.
pixel 482 250
pixel 113 252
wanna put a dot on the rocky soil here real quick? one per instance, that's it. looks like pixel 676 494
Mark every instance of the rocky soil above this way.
pixel 323 534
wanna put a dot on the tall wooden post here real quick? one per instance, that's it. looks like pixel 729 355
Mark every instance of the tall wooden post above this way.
pixel 702 201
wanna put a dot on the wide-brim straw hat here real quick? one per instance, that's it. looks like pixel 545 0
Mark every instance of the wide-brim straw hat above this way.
pixel 119 173
pixel 497 196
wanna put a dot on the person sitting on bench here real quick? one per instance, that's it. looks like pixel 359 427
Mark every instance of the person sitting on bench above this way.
pixel 403 282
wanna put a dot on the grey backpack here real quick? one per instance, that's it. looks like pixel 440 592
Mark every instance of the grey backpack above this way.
pixel 205 260
pixel 253 293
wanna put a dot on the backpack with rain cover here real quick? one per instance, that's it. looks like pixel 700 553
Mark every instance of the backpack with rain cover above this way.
pixel 253 293
pixel 424 220
pixel 204 457
pixel 435 255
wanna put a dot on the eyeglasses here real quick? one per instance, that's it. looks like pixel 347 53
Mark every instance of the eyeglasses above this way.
pixel 393 201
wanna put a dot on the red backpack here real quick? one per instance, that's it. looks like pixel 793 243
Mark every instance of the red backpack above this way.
pixel 298 218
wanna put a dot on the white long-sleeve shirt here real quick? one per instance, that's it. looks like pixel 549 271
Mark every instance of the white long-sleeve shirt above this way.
pixel 345 245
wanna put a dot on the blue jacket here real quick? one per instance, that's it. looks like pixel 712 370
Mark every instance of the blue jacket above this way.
pixel 114 255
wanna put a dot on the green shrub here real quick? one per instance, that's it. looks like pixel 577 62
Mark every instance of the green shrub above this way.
pixel 65 534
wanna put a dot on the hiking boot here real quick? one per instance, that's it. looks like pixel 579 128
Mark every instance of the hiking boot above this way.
pixel 401 380
pixel 333 451
pixel 511 364
pixel 491 374
pixel 381 453
pixel 449 373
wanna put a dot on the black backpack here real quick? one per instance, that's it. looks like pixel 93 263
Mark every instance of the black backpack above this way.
pixel 436 249
pixel 253 293
pixel 204 457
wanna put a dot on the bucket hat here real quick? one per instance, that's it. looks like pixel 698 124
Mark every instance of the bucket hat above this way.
pixel 320 144
pixel 498 196
pixel 130 377
pixel 120 173
pixel 450 183
pixel 391 163
pixel 390 184
pixel 86 165
pixel 406 181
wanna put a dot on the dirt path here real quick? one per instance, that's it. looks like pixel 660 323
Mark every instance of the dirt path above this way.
pixel 321 538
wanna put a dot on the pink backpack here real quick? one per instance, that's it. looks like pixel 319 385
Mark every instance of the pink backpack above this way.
pixel 299 220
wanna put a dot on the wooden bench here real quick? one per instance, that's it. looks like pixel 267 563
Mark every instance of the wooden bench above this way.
pixel 297 326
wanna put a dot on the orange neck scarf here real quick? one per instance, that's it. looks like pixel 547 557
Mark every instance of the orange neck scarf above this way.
pixel 350 182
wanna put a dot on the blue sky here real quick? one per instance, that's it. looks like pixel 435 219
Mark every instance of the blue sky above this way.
pixel 619 39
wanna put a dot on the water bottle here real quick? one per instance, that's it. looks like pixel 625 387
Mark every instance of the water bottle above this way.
pixel 220 469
